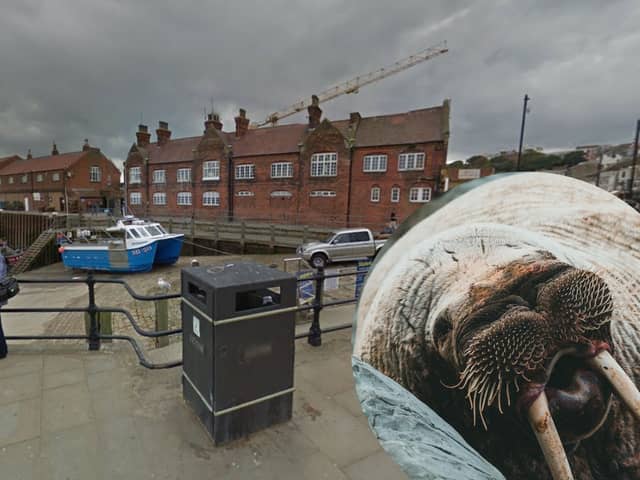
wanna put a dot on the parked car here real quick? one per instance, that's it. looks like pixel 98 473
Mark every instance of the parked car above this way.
pixel 341 246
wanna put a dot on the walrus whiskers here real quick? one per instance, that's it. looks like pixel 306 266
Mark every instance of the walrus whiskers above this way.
pixel 606 365
pixel 548 438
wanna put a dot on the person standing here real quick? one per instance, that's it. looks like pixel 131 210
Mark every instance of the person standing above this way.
pixel 3 341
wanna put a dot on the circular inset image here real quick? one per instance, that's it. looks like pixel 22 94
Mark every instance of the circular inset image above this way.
pixel 497 334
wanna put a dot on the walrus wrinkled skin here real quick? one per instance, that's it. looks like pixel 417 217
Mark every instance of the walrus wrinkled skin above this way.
pixel 477 320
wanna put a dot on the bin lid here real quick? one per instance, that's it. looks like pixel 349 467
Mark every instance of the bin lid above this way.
pixel 237 273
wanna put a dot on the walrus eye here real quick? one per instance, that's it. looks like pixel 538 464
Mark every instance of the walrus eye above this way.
pixel 441 333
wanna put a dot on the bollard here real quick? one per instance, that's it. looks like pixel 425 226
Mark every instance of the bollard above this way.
pixel 162 321
pixel 315 333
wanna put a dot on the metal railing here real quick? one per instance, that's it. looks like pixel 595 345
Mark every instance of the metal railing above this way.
pixel 94 336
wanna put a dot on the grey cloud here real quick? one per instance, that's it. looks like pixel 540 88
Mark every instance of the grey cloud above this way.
pixel 73 70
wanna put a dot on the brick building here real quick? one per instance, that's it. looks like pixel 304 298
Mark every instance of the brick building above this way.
pixel 357 172
pixel 85 180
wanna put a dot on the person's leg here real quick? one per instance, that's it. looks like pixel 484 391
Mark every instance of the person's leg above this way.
pixel 3 342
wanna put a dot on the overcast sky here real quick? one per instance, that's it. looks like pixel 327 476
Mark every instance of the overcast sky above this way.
pixel 75 69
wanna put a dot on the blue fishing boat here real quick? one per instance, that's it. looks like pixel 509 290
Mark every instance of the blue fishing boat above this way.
pixel 131 245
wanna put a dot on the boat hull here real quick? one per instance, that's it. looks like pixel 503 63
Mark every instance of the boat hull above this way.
pixel 169 249
pixel 139 259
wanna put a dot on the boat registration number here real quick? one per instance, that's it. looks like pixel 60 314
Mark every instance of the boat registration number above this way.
pixel 139 251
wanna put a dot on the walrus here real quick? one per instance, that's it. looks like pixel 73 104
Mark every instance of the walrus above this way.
pixel 513 312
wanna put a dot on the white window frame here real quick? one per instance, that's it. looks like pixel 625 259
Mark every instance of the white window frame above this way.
pixel 375 194
pixel 135 175
pixel 395 194
pixel 160 176
pixel 10 180
pixel 281 194
pixel 322 193
pixel 55 177
pixel 184 199
pixel 39 177
pixel 210 199
pixel 36 196
pixel 95 174
pixel 135 198
pixel 282 170
pixel 324 164
pixel 420 194
pixel 411 161
pixel 24 178
pixel 183 175
pixel 244 193
pixel 160 198
pixel 374 163
pixel 246 171
pixel 211 170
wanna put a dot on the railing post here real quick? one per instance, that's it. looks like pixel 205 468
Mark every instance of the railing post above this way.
pixel 242 237
pixel 305 234
pixel 162 321
pixel 94 328
pixel 272 242
pixel 171 225
pixel 315 333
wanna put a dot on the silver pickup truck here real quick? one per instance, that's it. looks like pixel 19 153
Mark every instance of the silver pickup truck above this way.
pixel 341 246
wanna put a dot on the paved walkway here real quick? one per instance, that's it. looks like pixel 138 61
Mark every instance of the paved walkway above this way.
pixel 66 413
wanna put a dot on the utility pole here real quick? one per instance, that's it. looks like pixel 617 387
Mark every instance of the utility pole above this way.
pixel 524 114
pixel 635 158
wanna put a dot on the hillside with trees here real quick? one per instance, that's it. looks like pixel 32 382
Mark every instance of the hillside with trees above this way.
pixel 532 160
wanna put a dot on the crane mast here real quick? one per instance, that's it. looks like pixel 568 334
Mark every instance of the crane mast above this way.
pixel 354 85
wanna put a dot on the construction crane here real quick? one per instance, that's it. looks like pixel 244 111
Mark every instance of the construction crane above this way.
pixel 354 85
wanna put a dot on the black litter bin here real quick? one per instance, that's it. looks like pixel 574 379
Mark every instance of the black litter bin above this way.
pixel 238 372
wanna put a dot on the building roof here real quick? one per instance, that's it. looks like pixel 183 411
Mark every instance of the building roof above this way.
pixel 4 161
pixel 178 150
pixel 269 140
pixel 42 164
pixel 417 126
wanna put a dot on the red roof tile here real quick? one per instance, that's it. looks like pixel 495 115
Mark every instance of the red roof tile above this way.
pixel 270 140
pixel 42 164
pixel 178 150
pixel 4 161
pixel 417 126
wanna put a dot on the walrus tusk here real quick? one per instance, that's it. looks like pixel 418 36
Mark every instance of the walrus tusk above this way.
pixel 548 438
pixel 605 364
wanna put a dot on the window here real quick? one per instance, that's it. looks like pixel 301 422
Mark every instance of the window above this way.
pixel 375 194
pixel 211 199
pixel 95 174
pixel 10 179
pixel 342 238
pixel 420 194
pixel 159 198
pixel 211 170
pixel 282 170
pixel 244 193
pixel 24 178
pixel 360 237
pixel 135 198
pixel 36 196
pixel 375 163
pixel 184 175
pixel 39 177
pixel 184 198
pixel 153 231
pixel 281 194
pixel 411 161
pixel 159 176
pixel 55 177
pixel 324 164
pixel 134 175
pixel 323 193
pixel 395 194
pixel 245 172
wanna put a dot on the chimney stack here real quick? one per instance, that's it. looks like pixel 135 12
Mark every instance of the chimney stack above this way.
pixel 163 133
pixel 242 123
pixel 212 121
pixel 143 137
pixel 29 156
pixel 85 145
pixel 55 151
pixel 354 118
pixel 314 112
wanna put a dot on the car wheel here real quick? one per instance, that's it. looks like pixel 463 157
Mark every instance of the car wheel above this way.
pixel 319 260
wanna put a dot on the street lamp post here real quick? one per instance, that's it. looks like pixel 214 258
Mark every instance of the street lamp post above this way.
pixel 524 114
pixel 635 158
